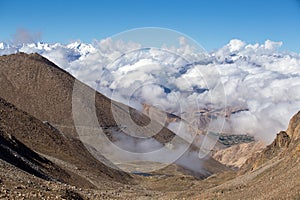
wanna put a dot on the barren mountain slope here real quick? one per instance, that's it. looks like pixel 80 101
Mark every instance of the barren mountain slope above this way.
pixel 43 138
pixel 272 173
pixel 236 155
pixel 39 87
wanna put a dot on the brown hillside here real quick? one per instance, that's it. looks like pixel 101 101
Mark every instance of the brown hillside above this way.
pixel 39 87
pixel 42 138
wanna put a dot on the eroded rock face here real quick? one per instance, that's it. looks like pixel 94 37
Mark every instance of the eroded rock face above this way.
pixel 284 143
pixel 294 127
pixel 282 140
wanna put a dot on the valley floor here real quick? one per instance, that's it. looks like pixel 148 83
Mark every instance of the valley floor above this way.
pixel 267 182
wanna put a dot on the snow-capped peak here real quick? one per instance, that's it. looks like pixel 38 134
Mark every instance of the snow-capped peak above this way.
pixel 1 45
pixel 81 48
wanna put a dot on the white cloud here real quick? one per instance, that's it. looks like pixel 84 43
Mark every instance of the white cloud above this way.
pixel 258 77
pixel 236 45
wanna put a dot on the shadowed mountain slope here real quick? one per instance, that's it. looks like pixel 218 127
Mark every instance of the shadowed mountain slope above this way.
pixel 24 138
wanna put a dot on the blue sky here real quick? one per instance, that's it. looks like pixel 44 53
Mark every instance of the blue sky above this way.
pixel 212 23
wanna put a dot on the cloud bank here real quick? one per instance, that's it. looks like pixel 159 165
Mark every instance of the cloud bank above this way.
pixel 258 78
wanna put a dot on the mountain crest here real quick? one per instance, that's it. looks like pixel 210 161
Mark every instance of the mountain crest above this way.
pixel 294 127
pixel 282 140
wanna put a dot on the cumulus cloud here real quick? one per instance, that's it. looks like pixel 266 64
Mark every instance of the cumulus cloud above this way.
pixel 261 83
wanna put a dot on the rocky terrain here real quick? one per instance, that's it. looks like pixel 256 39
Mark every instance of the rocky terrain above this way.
pixel 272 173
pixel 42 156
pixel 236 155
